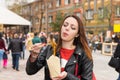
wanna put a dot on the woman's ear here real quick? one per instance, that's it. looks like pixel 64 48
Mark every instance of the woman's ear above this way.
pixel 77 35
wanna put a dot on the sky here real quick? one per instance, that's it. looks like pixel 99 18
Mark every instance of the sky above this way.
pixel 10 2
pixel 5 3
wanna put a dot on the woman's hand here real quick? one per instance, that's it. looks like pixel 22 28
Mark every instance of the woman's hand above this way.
pixel 61 76
pixel 36 47
pixel 35 50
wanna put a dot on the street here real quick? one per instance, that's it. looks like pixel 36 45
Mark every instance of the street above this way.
pixel 101 69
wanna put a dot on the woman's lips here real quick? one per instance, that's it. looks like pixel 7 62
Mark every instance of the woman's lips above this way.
pixel 65 34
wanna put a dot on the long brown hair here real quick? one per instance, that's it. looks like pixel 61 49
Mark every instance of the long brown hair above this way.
pixel 81 39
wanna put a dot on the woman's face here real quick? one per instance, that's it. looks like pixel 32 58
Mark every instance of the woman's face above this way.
pixel 69 29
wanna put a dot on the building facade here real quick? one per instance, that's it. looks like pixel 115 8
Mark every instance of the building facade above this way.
pixel 115 21
pixel 97 15
pixel 101 15
pixel 42 12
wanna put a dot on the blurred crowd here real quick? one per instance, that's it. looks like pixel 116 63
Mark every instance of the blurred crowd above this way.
pixel 16 44
pixel 95 41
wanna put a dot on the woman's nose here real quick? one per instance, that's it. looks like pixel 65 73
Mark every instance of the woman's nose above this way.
pixel 67 28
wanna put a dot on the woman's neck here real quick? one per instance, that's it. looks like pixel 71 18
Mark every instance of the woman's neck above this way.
pixel 68 45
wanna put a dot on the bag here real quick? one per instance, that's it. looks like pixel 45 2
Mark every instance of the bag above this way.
pixel 114 62
pixel 76 72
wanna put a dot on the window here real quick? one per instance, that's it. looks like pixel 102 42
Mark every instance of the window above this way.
pixel 67 2
pixel 36 8
pixel 31 20
pixel 43 20
pixel 50 19
pixel 58 3
pixel 36 20
pixel 50 5
pixel 89 14
pixel 24 10
pixel 100 12
pixel 76 1
pixel 117 11
pixel 31 12
pixel 21 12
pixel 43 7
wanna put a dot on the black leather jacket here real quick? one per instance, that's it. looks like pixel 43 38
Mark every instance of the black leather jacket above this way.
pixel 85 65
pixel 15 45
pixel 117 54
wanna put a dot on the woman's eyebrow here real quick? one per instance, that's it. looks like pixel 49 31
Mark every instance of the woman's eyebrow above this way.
pixel 66 22
pixel 73 25
pixel 69 23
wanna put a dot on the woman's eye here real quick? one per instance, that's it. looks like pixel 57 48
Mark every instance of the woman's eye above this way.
pixel 73 28
pixel 64 25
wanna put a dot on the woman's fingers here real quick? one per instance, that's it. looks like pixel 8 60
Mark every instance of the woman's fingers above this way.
pixel 55 78
pixel 61 76
pixel 36 47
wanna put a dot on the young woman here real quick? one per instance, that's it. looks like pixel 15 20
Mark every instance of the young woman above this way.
pixel 72 50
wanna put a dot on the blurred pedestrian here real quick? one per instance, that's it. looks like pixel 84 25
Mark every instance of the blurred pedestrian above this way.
pixel 28 41
pixel 43 38
pixel 5 54
pixel 16 47
pixel 2 47
pixel 117 55
pixel 36 39
pixel 22 38
pixel 51 41
pixel 56 36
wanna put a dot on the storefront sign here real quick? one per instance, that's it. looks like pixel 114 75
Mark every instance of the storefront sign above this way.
pixel 116 28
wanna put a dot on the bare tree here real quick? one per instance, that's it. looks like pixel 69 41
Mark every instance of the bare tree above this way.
pixel 41 13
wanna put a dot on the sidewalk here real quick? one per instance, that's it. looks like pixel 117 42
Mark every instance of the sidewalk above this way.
pixel 101 69
pixel 10 74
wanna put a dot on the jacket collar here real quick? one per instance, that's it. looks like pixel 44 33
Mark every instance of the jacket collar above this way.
pixel 78 50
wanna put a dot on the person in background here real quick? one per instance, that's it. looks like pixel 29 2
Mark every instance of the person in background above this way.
pixel 8 39
pixel 28 41
pixel 72 43
pixel 2 47
pixel 5 54
pixel 117 54
pixel 43 38
pixel 22 38
pixel 115 38
pixel 36 39
pixel 56 36
pixel 16 47
pixel 51 41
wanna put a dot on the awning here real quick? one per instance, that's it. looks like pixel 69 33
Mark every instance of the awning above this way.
pixel 10 18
